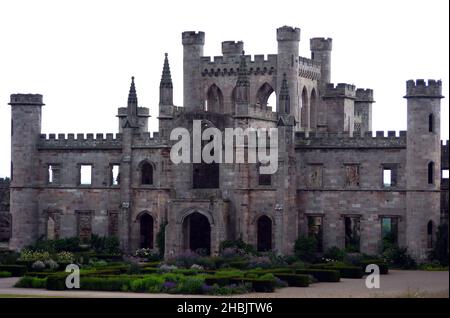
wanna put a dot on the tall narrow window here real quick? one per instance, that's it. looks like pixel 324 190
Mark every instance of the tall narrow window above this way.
pixel 146 173
pixel 53 171
pixel 85 174
pixel 315 230
pixel 431 123
pixel 430 234
pixel 387 178
pixel 114 174
pixel 389 232
pixel 444 173
pixel 431 172
pixel 352 175
pixel 352 234
pixel 263 179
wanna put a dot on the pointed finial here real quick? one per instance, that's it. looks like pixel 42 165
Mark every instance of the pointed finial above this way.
pixel 166 78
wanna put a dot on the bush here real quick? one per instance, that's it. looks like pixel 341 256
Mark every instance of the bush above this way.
pixel 118 283
pixel 105 244
pixel 148 254
pixel 334 254
pixel 57 281
pixel 237 244
pixel 15 270
pixel 294 280
pixel 161 239
pixel 242 264
pixel 151 283
pixel 321 275
pixel 5 274
pixel 65 257
pixel 31 282
pixel 8 257
pixel 345 271
pixel 305 248
pixel 191 285
pixel 398 257
pixel 71 244
pixel 440 250
pixel 33 256
pixel 38 266
pixel 384 268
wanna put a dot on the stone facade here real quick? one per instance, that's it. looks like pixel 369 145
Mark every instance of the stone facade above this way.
pixel 331 178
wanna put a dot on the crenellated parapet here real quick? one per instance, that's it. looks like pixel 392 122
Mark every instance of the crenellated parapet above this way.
pixel 420 88
pixel 309 68
pixel 341 90
pixel 364 95
pixel 148 140
pixel 220 66
pixel 80 141
pixel 381 139
pixel 192 37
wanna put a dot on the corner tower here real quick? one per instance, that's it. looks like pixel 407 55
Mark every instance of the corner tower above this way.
pixel 423 156
pixel 26 113
pixel 321 53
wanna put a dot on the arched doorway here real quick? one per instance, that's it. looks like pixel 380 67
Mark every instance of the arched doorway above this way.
pixel 197 233
pixel 214 99
pixel 146 231
pixel 264 235
pixel 264 96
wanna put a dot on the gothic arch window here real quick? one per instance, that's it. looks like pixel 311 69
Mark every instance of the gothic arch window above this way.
pixel 264 233
pixel 146 225
pixel 263 179
pixel 431 123
pixel 265 95
pixel 430 231
pixel 214 99
pixel 431 172
pixel 205 175
pixel 146 169
pixel 305 109
pixel 313 109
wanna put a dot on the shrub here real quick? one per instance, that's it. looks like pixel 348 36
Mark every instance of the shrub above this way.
pixel 241 264
pixel 151 284
pixel 5 274
pixel 345 271
pixel 238 244
pixel 38 266
pixel 164 268
pixel 105 283
pixel 27 255
pixel 258 285
pixel 65 257
pixel 191 285
pixel 384 268
pixel 105 244
pixel 51 264
pixel 31 282
pixel 257 262
pixel 440 250
pixel 56 281
pixel 214 280
pixel 334 254
pixel 399 257
pixel 148 254
pixel 8 257
pixel 161 239
pixel 321 275
pixel 294 280
pixel 305 248
pixel 71 244
pixel 15 270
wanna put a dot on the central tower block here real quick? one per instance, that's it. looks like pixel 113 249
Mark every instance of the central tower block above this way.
pixel 192 51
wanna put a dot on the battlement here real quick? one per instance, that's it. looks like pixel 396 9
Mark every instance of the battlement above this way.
pixel 26 99
pixel 309 68
pixel 257 111
pixel 192 37
pixel 345 140
pixel 340 90
pixel 287 33
pixel 232 47
pixel 321 44
pixel 141 112
pixel 230 67
pixel 60 141
pixel 364 95
pixel 419 88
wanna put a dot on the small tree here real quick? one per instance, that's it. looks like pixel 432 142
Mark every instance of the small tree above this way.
pixel 161 238
pixel 305 249
pixel 440 250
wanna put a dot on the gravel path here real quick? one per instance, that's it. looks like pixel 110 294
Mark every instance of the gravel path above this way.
pixel 396 284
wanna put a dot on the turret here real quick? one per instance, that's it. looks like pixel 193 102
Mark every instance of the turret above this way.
pixel 340 107
pixel 133 116
pixel 423 156
pixel 287 65
pixel 242 87
pixel 232 49
pixel 26 110
pixel 363 110
pixel 166 107
pixel 192 51
pixel 321 53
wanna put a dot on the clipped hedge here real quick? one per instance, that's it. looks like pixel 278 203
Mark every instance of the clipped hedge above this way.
pixel 258 285
pixel 346 271
pixel 239 264
pixel 31 282
pixel 220 281
pixel 322 275
pixel 294 280
pixel 384 268
pixel 57 281
pixel 5 274
pixel 15 270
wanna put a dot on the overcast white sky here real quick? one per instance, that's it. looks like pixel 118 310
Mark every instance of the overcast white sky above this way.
pixel 81 54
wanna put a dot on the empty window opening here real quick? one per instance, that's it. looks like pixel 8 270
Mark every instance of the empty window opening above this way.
pixel 430 234
pixel 352 234
pixel 85 174
pixel 146 231
pixel 431 123
pixel 387 177
pixel 431 173
pixel 315 230
pixel 115 175
pixel 53 174
pixel 146 173
pixel 263 179
pixel 389 232
pixel 50 174
pixel 264 234
pixel 352 175
pixel 445 174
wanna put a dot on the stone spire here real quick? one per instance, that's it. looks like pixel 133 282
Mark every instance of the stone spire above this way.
pixel 243 82
pixel 166 86
pixel 284 99
pixel 132 106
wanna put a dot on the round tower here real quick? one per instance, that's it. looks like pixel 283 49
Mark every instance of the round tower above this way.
pixel 287 63
pixel 423 156
pixel 232 49
pixel 192 52
pixel 321 53
pixel 25 131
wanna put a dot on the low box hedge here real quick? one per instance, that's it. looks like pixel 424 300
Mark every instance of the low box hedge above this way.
pixel 322 275
pixel 239 264
pixel 345 271
pixel 294 280
pixel 15 270
pixel 220 281
pixel 5 274
pixel 57 281
pixel 258 285
pixel 384 268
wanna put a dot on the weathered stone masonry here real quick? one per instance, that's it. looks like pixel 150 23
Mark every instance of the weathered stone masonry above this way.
pixel 335 179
